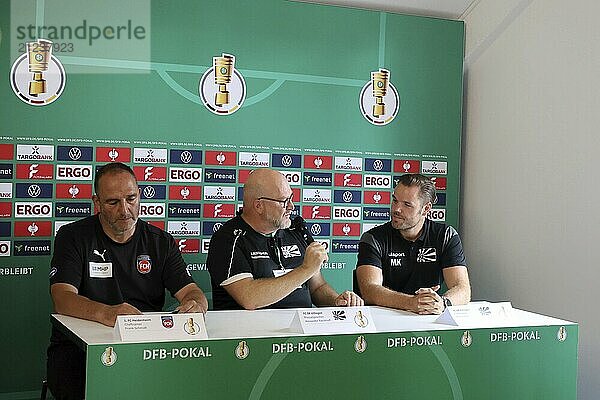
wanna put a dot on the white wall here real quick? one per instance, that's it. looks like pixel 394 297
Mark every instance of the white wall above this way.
pixel 530 188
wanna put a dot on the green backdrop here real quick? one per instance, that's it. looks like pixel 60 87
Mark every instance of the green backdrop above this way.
pixel 304 66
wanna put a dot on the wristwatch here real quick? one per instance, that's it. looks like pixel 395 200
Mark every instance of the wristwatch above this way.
pixel 447 301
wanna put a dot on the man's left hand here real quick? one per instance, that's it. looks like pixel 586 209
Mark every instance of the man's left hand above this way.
pixel 349 299
pixel 191 306
pixel 428 301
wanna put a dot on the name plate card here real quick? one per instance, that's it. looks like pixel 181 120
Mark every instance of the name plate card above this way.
pixel 480 314
pixel 160 326
pixel 328 320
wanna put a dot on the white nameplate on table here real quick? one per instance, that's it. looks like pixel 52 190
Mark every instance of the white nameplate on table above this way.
pixel 328 320
pixel 481 313
pixel 160 326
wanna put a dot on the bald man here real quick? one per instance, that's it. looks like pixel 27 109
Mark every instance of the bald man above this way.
pixel 263 259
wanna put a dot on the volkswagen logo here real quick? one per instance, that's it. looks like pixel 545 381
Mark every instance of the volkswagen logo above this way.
pixel 186 157
pixel 378 165
pixel 315 229
pixel 34 191
pixel 347 196
pixel 286 160
pixel 149 192
pixel 75 153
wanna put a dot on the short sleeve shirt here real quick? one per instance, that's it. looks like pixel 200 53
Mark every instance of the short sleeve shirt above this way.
pixel 237 252
pixel 136 272
pixel 408 266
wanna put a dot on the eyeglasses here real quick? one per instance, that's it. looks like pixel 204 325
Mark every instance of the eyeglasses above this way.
pixel 284 203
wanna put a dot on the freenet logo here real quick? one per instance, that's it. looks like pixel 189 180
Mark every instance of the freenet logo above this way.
pixel 73 209
pixel 317 179
pixel 213 175
pixel 6 171
pixel 183 210
pixel 344 246
pixel 31 248
pixel 376 213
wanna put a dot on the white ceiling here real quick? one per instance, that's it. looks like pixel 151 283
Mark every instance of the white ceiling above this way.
pixel 450 9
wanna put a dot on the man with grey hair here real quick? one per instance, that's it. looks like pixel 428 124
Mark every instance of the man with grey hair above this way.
pixel 107 265
pixel 402 263
pixel 261 258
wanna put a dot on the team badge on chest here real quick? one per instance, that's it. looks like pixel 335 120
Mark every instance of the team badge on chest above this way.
pixel 144 264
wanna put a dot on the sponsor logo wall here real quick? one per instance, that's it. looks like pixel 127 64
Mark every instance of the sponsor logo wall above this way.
pixel 191 192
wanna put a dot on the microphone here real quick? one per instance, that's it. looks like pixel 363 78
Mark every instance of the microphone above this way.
pixel 299 226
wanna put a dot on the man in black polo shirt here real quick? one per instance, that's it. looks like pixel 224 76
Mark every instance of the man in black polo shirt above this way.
pixel 402 263
pixel 111 264
pixel 261 258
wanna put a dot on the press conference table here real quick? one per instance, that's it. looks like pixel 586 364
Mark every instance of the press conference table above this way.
pixel 409 357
